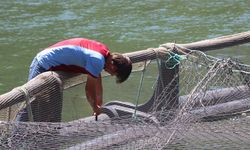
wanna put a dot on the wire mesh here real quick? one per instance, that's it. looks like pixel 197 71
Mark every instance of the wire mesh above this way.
pixel 212 113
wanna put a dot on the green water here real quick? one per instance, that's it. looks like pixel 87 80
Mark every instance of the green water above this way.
pixel 28 26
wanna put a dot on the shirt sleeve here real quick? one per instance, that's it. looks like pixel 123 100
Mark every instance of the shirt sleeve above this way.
pixel 95 66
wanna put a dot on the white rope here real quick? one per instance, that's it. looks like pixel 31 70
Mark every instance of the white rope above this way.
pixel 139 89
pixel 27 100
pixel 159 77
pixel 159 66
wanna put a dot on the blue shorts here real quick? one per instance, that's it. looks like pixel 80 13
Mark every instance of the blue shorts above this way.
pixel 35 69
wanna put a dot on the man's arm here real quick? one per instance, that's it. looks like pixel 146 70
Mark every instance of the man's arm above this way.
pixel 94 92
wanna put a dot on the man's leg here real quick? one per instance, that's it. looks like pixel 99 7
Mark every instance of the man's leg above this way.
pixel 22 115
pixel 35 70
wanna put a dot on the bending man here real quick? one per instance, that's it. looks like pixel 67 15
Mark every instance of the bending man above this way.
pixel 79 55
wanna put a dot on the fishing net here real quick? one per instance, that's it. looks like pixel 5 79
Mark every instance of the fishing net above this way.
pixel 197 102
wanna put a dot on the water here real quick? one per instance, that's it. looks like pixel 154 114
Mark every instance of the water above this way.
pixel 28 26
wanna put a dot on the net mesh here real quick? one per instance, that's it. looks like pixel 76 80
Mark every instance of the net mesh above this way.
pixel 202 104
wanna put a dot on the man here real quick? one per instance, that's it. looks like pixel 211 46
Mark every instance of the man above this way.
pixel 79 55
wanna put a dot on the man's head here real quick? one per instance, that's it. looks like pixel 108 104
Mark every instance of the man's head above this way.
pixel 118 65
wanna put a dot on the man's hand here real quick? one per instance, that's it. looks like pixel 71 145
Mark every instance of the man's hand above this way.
pixel 97 110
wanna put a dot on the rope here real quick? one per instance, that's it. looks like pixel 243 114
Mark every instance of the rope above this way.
pixel 27 100
pixel 158 65
pixel 159 77
pixel 139 90
pixel 173 59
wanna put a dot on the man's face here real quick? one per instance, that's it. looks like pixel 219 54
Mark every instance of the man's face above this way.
pixel 110 67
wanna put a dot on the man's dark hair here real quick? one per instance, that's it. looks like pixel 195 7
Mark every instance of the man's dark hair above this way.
pixel 124 67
